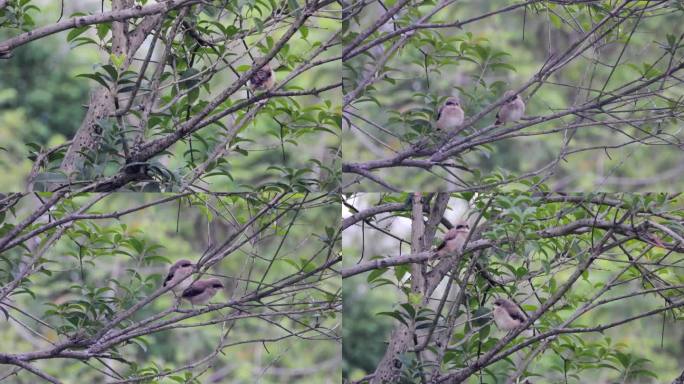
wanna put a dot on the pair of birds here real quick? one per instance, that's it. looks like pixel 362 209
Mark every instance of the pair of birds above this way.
pixel 450 115
pixel 196 293
pixel 507 315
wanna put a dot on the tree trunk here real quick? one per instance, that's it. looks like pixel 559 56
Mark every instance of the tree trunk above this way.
pixel 89 134
pixel 422 285
pixel 101 105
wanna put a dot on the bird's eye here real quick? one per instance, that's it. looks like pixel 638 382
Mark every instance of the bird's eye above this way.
pixel 217 286
pixel 186 265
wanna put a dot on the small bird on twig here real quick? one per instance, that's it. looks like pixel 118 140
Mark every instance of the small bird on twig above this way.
pixel 454 239
pixel 512 110
pixel 202 290
pixel 507 315
pixel 263 79
pixel 450 116
pixel 179 271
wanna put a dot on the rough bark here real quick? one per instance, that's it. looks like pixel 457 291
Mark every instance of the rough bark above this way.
pixel 88 135
pixel 101 105
pixel 402 338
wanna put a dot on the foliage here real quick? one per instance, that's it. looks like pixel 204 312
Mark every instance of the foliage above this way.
pixel 600 82
pixel 170 105
pixel 81 295
pixel 363 333
pixel 597 274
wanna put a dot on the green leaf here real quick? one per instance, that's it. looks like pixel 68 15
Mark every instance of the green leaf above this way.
pixel 74 33
pixel 118 60
pixel 375 274
pixel 397 315
pixel 112 72
pixel 304 31
pixel 95 76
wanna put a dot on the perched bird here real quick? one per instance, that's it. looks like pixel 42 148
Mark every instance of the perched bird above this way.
pixel 512 110
pixel 453 239
pixel 450 116
pixel 202 290
pixel 507 315
pixel 179 271
pixel 263 79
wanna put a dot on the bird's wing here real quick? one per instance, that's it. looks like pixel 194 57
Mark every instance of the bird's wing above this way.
pixel 439 112
pixel 517 315
pixel 192 291
pixel 260 77
pixel 169 277
pixel 503 108
pixel 450 235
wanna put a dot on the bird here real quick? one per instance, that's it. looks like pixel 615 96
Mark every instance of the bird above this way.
pixel 454 239
pixel 512 110
pixel 202 290
pixel 507 315
pixel 263 79
pixel 179 271
pixel 450 115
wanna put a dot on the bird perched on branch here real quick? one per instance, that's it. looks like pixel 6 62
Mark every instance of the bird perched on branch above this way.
pixel 263 79
pixel 202 290
pixel 512 110
pixel 450 116
pixel 179 271
pixel 454 239
pixel 507 315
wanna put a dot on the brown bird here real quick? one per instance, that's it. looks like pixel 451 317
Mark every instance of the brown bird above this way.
pixel 202 290
pixel 263 79
pixel 450 115
pixel 454 239
pixel 179 271
pixel 512 110
pixel 507 315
